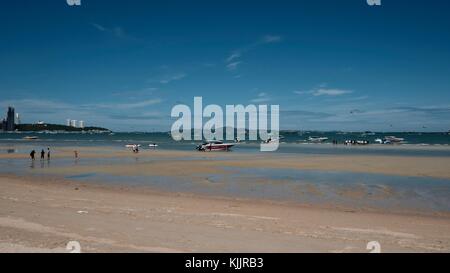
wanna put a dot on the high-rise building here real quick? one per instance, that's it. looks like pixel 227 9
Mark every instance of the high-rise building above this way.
pixel 17 118
pixel 10 125
pixel 68 122
pixel 73 123
pixel 81 124
pixel 4 125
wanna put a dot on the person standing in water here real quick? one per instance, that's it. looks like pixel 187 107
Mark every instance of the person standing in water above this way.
pixel 32 154
pixel 42 154
pixel 48 153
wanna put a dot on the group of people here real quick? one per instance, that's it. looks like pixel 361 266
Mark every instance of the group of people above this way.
pixel 43 153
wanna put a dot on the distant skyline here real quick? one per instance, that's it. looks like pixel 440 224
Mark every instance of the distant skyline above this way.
pixel 330 65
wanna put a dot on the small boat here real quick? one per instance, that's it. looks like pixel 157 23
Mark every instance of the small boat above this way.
pixel 273 140
pixel 316 139
pixel 368 133
pixel 215 146
pixel 379 141
pixel 153 145
pixel 30 138
pixel 132 145
pixel 393 139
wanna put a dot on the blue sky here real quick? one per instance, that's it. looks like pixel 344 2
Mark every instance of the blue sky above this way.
pixel 330 65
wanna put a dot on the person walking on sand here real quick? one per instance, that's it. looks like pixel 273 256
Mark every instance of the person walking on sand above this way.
pixel 42 154
pixel 33 152
pixel 76 154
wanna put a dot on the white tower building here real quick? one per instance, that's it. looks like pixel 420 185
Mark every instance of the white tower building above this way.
pixel 81 124
pixel 17 118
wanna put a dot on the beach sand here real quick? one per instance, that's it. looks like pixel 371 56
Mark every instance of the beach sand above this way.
pixel 43 213
pixel 43 216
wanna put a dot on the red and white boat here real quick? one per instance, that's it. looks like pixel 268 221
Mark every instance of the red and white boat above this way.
pixel 215 146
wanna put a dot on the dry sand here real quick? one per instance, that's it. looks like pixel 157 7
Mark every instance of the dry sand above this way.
pixel 43 216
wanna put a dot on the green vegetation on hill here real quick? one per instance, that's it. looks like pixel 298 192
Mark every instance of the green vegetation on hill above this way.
pixel 55 127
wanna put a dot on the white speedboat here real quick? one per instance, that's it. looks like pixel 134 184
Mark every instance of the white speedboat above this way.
pixel 132 145
pixel 316 139
pixel 393 139
pixel 153 145
pixel 31 138
pixel 379 141
pixel 215 146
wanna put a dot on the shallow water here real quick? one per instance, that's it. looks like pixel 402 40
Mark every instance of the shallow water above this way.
pixel 418 144
pixel 356 190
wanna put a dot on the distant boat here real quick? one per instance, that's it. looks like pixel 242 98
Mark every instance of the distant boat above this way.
pixel 132 145
pixel 272 139
pixel 316 139
pixel 215 146
pixel 393 139
pixel 368 133
pixel 30 138
pixel 154 145
pixel 389 140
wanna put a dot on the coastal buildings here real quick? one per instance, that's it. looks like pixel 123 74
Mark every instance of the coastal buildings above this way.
pixel 8 123
pixel 17 119
pixel 73 123
pixel 10 118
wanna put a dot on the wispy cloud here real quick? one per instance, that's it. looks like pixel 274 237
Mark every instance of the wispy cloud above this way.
pixel 131 105
pixel 261 98
pixel 233 66
pixel 324 92
pixel 233 60
pixel 170 78
pixel 331 92
pixel 271 39
pixel 166 75
pixel 233 56
pixel 135 93
pixel 116 31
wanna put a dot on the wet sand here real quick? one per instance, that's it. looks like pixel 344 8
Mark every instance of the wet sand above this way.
pixel 181 164
pixel 40 211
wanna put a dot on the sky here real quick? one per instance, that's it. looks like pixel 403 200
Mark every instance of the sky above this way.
pixel 329 65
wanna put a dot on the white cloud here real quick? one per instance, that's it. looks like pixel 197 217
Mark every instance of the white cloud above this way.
pixel 233 66
pixel 166 78
pixel 330 92
pixel 261 98
pixel 271 39
pixel 234 58
pixel 175 77
pixel 324 92
pixel 118 32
